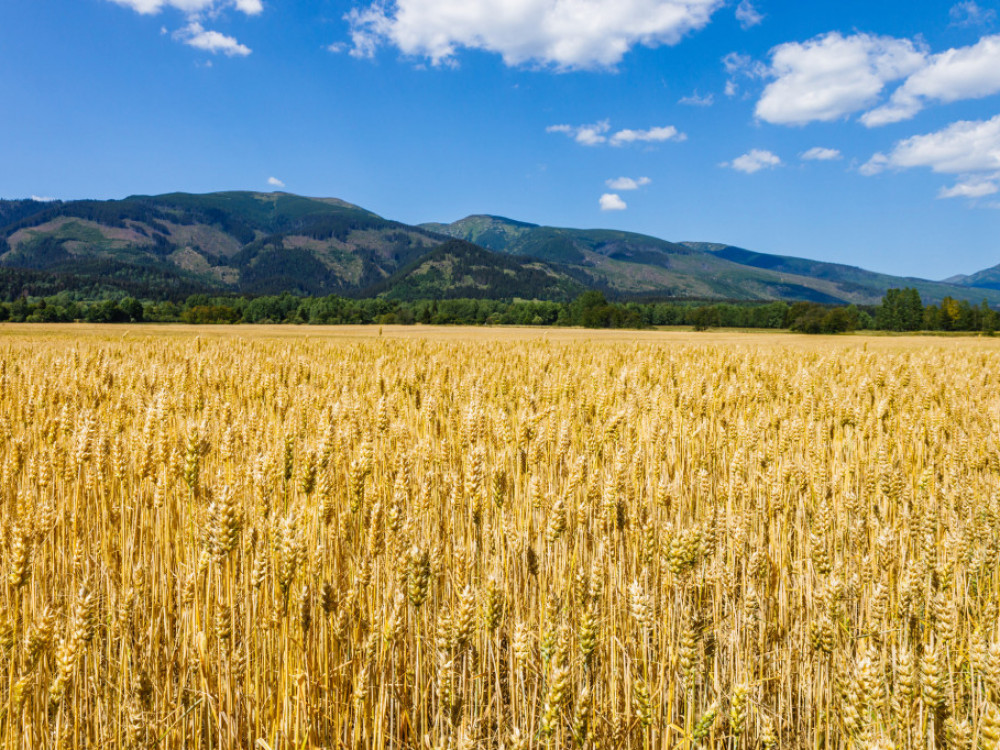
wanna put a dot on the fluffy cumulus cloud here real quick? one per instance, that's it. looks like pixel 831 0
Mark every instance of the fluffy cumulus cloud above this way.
pixel 965 73
pixel 600 133
pixel 748 15
pixel 969 149
pixel 612 202
pixel 195 35
pixel 565 34
pixel 628 183
pixel 275 182
pixel 821 154
pixel 833 76
pixel 754 161
pixel 964 147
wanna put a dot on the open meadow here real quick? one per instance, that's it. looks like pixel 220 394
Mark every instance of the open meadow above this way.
pixel 407 537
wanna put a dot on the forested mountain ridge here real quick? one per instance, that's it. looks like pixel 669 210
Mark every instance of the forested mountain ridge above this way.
pixel 170 246
pixel 256 243
pixel 462 270
pixel 643 266
pixel 849 279
pixel 988 278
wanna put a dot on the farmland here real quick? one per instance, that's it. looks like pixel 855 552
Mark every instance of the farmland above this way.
pixel 416 537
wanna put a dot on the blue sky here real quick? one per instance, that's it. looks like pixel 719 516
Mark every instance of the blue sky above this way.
pixel 858 132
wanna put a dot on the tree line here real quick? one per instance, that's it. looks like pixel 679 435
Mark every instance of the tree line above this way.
pixel 900 310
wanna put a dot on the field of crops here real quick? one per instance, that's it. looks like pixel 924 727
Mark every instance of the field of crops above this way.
pixel 254 540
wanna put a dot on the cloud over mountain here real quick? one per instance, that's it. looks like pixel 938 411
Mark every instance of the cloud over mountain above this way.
pixel 612 202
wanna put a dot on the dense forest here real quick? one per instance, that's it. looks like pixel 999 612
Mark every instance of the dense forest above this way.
pixel 901 310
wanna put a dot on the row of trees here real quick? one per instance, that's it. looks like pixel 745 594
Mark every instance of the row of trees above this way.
pixel 901 310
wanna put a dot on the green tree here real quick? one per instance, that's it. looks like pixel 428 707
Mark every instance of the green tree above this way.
pixel 901 310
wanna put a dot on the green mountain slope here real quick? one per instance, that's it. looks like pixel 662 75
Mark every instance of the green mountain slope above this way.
pixel 632 264
pixel 170 246
pixel 570 246
pixel 259 243
pixel 855 283
pixel 459 269
pixel 988 278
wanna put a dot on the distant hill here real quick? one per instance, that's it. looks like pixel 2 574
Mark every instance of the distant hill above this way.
pixel 988 278
pixel 174 245
pixel 632 264
pixel 853 282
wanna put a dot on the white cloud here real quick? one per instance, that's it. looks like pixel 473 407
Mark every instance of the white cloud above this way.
pixel 832 76
pixel 597 134
pixel 628 183
pixel 970 149
pixel 42 199
pixel 753 161
pixel 565 34
pixel 821 154
pixel 971 14
pixel 653 135
pixel 588 135
pixel 875 165
pixel 193 7
pixel 275 182
pixel 974 187
pixel 250 7
pixel 195 35
pixel 744 65
pixel 898 108
pixel 741 66
pixel 963 147
pixel 694 100
pixel 965 73
pixel 747 15
pixel 612 202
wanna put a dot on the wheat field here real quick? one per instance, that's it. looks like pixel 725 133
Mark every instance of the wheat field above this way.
pixel 461 539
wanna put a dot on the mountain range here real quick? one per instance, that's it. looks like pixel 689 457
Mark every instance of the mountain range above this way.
pixel 267 243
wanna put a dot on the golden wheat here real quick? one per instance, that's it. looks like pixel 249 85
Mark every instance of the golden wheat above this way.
pixel 270 541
